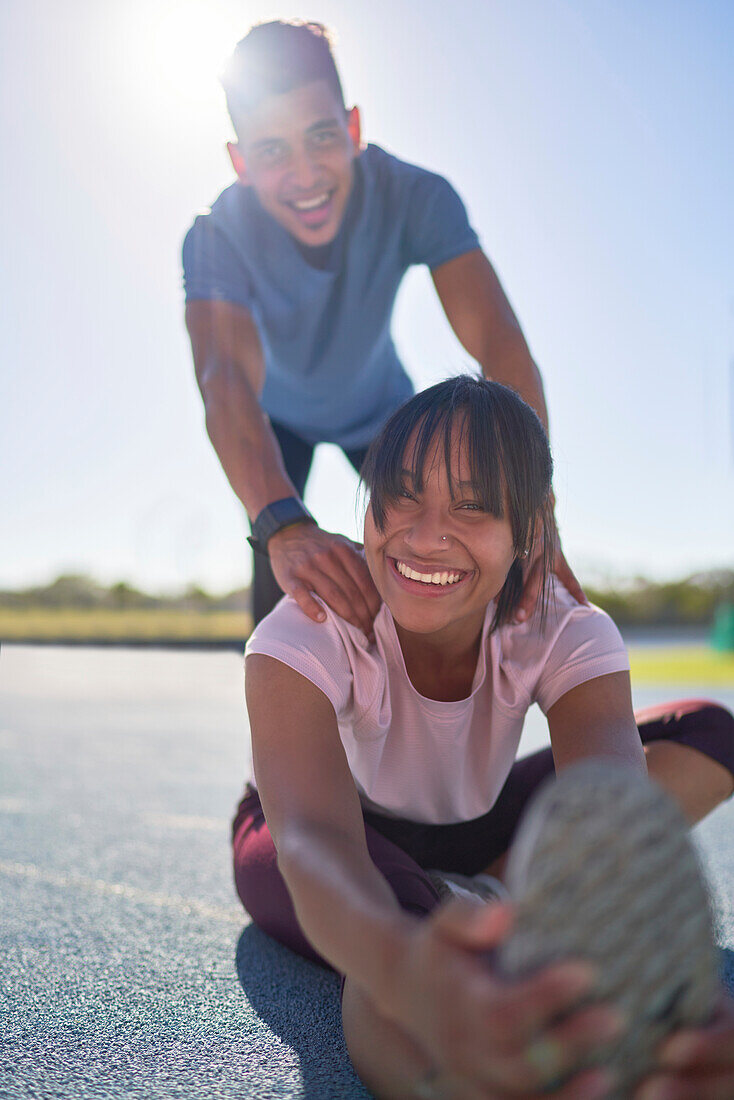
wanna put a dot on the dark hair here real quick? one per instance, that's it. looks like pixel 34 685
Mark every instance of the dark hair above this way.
pixel 274 58
pixel 509 457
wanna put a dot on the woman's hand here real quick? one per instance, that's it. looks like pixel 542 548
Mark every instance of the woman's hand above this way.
pixel 491 1039
pixel 696 1064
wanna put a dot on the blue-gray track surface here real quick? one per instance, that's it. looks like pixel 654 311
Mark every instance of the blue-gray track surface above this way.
pixel 127 967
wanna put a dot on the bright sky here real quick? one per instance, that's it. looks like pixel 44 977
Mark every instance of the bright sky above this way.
pixel 593 143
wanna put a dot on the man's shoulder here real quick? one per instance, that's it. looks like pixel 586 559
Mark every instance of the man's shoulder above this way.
pixel 381 167
pixel 424 204
pixel 229 214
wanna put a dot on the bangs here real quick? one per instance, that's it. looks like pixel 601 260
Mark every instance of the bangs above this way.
pixel 413 447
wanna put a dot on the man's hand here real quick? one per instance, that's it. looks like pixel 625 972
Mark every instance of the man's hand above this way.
pixel 534 579
pixel 307 560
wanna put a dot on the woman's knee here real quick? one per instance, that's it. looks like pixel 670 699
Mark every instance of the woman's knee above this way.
pixel 264 894
pixel 715 737
pixel 700 724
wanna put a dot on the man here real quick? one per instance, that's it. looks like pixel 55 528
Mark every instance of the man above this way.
pixel 290 284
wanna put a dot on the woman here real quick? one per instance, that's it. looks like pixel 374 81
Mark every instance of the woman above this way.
pixel 377 761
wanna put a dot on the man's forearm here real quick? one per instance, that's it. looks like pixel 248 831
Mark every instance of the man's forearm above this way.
pixel 512 365
pixel 483 319
pixel 241 435
pixel 230 372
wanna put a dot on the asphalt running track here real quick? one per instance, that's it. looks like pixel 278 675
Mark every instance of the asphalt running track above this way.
pixel 127 969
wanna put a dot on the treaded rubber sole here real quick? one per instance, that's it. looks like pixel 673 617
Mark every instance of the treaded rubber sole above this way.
pixel 603 869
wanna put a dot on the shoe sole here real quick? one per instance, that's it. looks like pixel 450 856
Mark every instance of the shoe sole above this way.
pixel 603 869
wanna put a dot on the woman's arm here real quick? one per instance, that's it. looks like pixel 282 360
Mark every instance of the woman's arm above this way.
pixel 596 719
pixel 343 903
pixel 427 978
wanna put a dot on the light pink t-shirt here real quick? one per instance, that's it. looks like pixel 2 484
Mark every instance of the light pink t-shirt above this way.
pixel 431 761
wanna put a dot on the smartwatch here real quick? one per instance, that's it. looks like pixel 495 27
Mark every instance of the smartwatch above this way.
pixel 273 518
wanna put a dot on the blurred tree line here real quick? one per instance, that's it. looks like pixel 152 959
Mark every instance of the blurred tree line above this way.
pixel 73 590
pixel 638 602
pixel 689 602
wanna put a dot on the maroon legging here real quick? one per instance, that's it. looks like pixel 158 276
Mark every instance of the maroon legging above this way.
pixel 403 849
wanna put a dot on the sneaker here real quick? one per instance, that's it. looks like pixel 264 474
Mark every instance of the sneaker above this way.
pixel 479 888
pixel 603 869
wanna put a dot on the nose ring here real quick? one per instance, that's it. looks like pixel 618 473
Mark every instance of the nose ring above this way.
pixel 444 538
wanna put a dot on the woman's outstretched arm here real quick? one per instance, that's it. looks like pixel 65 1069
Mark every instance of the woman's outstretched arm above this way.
pixel 426 980
pixel 596 719
pixel 343 903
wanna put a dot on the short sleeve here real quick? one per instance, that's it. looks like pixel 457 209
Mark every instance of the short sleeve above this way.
pixel 437 228
pixel 315 650
pixel 588 645
pixel 211 268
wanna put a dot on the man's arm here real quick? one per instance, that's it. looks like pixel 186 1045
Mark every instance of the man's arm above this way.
pixel 230 371
pixel 483 320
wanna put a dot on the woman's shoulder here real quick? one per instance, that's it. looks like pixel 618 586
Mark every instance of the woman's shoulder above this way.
pixel 561 647
pixel 287 627
pixel 559 613
pixel 329 653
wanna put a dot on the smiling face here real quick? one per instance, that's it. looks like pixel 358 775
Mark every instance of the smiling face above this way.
pixel 440 557
pixel 297 151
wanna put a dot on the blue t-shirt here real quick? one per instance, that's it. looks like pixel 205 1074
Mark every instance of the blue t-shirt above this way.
pixel 332 374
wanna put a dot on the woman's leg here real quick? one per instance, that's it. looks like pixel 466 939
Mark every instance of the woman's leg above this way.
pixel 690 752
pixel 258 881
pixel 689 747
pixel 264 894
pixel 386 1059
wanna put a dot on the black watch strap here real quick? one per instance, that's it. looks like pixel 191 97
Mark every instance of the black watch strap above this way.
pixel 274 517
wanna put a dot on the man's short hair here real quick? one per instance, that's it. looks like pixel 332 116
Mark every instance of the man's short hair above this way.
pixel 274 58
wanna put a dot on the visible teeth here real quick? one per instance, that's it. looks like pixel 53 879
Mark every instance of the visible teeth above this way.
pixel 427 578
pixel 311 204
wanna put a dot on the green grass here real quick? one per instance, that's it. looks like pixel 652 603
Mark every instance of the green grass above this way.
pixel 650 665
pixel 107 625
pixel 681 665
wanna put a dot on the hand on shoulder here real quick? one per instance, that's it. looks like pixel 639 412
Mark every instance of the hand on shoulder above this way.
pixel 533 580
pixel 307 561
